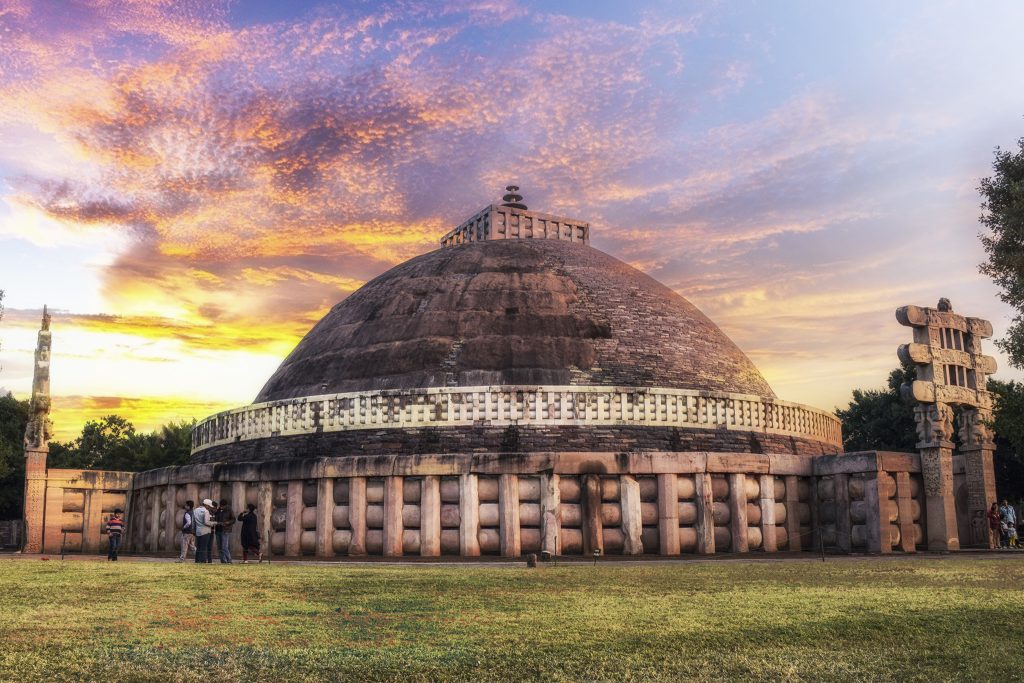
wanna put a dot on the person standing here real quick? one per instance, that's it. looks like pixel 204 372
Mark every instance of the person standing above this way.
pixel 250 535
pixel 993 526
pixel 203 519
pixel 188 531
pixel 225 520
pixel 115 529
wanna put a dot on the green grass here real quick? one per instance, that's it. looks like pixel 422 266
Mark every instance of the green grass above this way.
pixel 914 619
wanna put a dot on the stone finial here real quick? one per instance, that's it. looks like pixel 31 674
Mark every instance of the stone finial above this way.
pixel 39 428
pixel 513 199
pixel 945 306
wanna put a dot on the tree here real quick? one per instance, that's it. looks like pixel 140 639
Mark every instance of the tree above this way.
pixel 1008 425
pixel 1003 216
pixel 880 419
pixel 13 418
pixel 111 443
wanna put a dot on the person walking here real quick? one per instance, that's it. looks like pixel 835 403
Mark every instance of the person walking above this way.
pixel 203 519
pixel 993 526
pixel 188 531
pixel 250 535
pixel 225 521
pixel 115 529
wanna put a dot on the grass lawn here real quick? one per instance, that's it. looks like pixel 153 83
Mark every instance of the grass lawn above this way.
pixel 870 619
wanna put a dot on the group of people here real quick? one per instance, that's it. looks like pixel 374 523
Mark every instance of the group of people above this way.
pixel 1002 525
pixel 215 521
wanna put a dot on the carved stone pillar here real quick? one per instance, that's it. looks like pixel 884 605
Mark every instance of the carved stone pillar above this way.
pixel 393 528
pixel 293 519
pixel 35 494
pixel 935 428
pixel 767 503
pixel 508 515
pixel 977 446
pixel 794 541
pixel 593 529
pixel 738 512
pixel 264 511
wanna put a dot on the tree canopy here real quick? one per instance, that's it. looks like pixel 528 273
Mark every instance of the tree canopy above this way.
pixel 1003 217
pixel 880 420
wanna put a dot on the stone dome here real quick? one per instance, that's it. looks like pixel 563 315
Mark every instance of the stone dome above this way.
pixel 514 312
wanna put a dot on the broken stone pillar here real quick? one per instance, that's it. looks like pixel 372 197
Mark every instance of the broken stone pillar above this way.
pixel 325 517
pixel 508 515
pixel 738 512
pixel 430 516
pixel 705 514
pixel 632 517
pixel 357 515
pixel 469 511
pixel 550 502
pixel 293 520
pixel 393 503
pixel 977 446
pixel 668 514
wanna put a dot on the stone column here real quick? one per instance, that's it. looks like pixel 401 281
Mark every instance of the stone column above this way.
pixel 977 446
pixel 767 503
pixel 632 518
pixel 170 523
pixel 550 503
pixel 705 514
pixel 393 516
pixel 935 429
pixel 430 516
pixel 668 514
pixel 264 510
pixel 128 541
pixel 593 529
pixel 469 511
pixel 904 504
pixel 92 520
pixel 738 512
pixel 154 526
pixel 293 520
pixel 876 511
pixel 325 517
pixel 238 489
pixel 35 497
pixel 793 512
pixel 53 520
pixel 841 497
pixel 508 515
pixel 357 515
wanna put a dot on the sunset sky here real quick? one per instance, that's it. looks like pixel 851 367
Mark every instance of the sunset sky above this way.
pixel 191 185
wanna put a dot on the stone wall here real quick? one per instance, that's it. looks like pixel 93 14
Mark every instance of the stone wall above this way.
pixel 871 502
pixel 78 504
pixel 486 504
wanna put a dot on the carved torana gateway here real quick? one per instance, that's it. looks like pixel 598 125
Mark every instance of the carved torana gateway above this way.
pixel 518 391
pixel 951 375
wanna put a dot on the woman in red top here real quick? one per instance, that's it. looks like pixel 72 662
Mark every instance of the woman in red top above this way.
pixel 993 526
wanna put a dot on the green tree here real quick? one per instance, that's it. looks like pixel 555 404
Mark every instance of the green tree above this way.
pixel 1008 425
pixel 111 443
pixel 1003 217
pixel 879 419
pixel 13 418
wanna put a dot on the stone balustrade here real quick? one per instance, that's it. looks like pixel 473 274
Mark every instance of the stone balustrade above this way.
pixel 497 222
pixel 499 406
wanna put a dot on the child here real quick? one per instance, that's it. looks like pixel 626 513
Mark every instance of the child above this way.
pixel 115 527
pixel 1012 536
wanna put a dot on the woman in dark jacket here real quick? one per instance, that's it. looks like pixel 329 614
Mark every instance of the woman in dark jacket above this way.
pixel 250 535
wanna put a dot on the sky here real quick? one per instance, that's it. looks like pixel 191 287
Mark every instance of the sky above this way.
pixel 190 186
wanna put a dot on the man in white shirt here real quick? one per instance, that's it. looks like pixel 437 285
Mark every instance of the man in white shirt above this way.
pixel 204 524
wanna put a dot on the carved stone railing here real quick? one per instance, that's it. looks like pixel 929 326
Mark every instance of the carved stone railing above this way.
pixel 498 222
pixel 508 405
